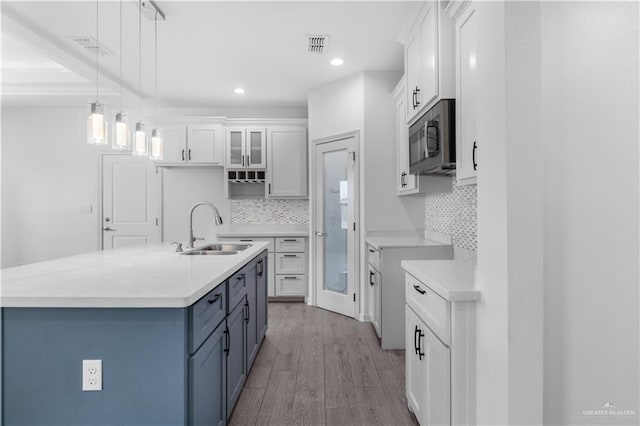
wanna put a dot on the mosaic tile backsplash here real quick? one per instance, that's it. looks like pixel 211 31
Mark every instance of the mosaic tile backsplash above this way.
pixel 454 213
pixel 260 211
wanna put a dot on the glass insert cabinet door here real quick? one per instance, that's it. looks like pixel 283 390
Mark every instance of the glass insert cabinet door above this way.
pixel 235 148
pixel 256 148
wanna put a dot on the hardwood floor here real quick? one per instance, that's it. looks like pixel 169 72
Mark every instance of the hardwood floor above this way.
pixel 320 368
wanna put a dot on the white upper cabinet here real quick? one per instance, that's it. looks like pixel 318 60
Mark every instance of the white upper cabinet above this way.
pixel 287 159
pixel 192 144
pixel 466 76
pixel 429 59
pixel 246 148
pixel 405 181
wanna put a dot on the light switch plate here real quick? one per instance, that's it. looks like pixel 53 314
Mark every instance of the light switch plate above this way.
pixel 91 375
pixel 86 208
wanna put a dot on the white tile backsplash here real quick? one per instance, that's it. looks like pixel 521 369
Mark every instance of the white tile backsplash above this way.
pixel 454 213
pixel 257 211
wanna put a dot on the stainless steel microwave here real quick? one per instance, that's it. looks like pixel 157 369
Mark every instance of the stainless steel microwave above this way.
pixel 432 140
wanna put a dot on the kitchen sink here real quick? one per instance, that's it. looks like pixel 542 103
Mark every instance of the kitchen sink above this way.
pixel 217 249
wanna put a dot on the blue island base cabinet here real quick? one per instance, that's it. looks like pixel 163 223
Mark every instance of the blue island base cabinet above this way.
pixel 160 366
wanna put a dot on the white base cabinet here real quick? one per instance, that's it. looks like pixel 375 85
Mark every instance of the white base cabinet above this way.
pixel 440 338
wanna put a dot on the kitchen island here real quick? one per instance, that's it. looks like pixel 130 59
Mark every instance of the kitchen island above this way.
pixel 176 334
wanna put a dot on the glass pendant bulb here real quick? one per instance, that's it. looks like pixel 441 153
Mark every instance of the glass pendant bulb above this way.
pixel 140 140
pixel 157 148
pixel 121 134
pixel 96 125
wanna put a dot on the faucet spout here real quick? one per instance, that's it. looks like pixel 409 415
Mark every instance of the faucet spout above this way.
pixel 216 213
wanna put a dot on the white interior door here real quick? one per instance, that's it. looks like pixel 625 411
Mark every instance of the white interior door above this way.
pixel 336 266
pixel 128 201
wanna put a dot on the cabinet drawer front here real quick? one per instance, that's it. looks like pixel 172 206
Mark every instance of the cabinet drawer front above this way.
pixel 205 315
pixel 237 289
pixel 374 256
pixel 430 307
pixel 291 285
pixel 270 247
pixel 295 245
pixel 291 263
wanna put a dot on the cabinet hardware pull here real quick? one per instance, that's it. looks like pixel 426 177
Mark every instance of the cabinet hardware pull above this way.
pixel 473 155
pixel 228 340
pixel 261 270
pixel 417 101
pixel 371 281
pixel 216 297
pixel 420 353
pixel 247 310
pixel 418 289
pixel 372 251
pixel 183 155
pixel 290 255
pixel 413 99
pixel 242 160
pixel 415 340
pixel 290 241
pixel 290 278
pixel 269 188
pixel 246 240
pixel 240 277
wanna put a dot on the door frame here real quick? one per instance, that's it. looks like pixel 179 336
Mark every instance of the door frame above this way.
pixel 100 204
pixel 313 238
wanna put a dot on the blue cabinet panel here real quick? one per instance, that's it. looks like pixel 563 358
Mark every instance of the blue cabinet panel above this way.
pixel 236 362
pixel 205 315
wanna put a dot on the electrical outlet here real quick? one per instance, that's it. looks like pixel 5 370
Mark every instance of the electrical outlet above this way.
pixel 91 374
pixel 86 208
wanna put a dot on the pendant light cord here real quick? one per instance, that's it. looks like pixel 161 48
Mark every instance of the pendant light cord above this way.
pixel 97 49
pixel 156 66
pixel 140 55
pixel 121 100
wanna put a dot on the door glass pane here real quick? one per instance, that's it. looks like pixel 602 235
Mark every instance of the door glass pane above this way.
pixel 335 221
pixel 255 139
pixel 235 145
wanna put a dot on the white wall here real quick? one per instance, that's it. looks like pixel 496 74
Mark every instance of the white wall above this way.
pixel 48 172
pixel 591 107
pixel 183 187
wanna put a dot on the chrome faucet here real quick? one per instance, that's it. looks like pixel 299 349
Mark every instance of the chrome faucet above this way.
pixel 217 217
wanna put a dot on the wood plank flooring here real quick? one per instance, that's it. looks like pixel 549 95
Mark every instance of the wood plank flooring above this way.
pixel 320 368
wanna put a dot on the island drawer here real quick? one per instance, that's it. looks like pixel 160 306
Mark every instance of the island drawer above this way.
pixel 205 315
pixel 430 307
pixel 291 244
pixel 237 289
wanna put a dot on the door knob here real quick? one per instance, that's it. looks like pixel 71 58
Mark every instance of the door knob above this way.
pixel 107 228
pixel 320 234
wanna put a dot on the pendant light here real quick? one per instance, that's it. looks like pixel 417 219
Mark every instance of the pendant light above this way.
pixel 157 148
pixel 122 133
pixel 140 138
pixel 96 121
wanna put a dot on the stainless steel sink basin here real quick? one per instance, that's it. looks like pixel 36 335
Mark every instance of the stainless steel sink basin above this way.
pixel 208 252
pixel 217 249
pixel 224 247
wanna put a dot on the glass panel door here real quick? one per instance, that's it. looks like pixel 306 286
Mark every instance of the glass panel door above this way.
pixel 235 140
pixel 335 221
pixel 256 148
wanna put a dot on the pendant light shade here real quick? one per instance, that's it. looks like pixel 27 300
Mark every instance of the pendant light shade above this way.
pixel 140 140
pixel 121 133
pixel 157 148
pixel 96 124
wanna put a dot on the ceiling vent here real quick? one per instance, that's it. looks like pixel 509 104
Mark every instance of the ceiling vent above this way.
pixel 318 43
pixel 91 45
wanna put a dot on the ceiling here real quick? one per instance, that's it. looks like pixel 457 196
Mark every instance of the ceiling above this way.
pixel 205 49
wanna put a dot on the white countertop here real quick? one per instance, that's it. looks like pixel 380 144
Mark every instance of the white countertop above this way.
pixel 390 242
pixel 263 230
pixel 142 277
pixel 452 279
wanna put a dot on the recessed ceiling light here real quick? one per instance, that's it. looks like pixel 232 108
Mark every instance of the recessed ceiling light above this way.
pixel 336 62
pixel 238 91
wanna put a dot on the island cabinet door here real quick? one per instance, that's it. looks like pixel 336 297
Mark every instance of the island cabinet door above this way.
pixel 250 315
pixel 236 363
pixel 207 381
pixel 262 273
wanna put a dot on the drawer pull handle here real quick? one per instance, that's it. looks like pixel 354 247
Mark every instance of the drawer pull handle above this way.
pixel 290 255
pixel 415 340
pixel 290 241
pixel 246 240
pixel 371 280
pixel 418 289
pixel 240 277
pixel 216 297
pixel 228 340
pixel 420 353
pixel 372 251
pixel 291 278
